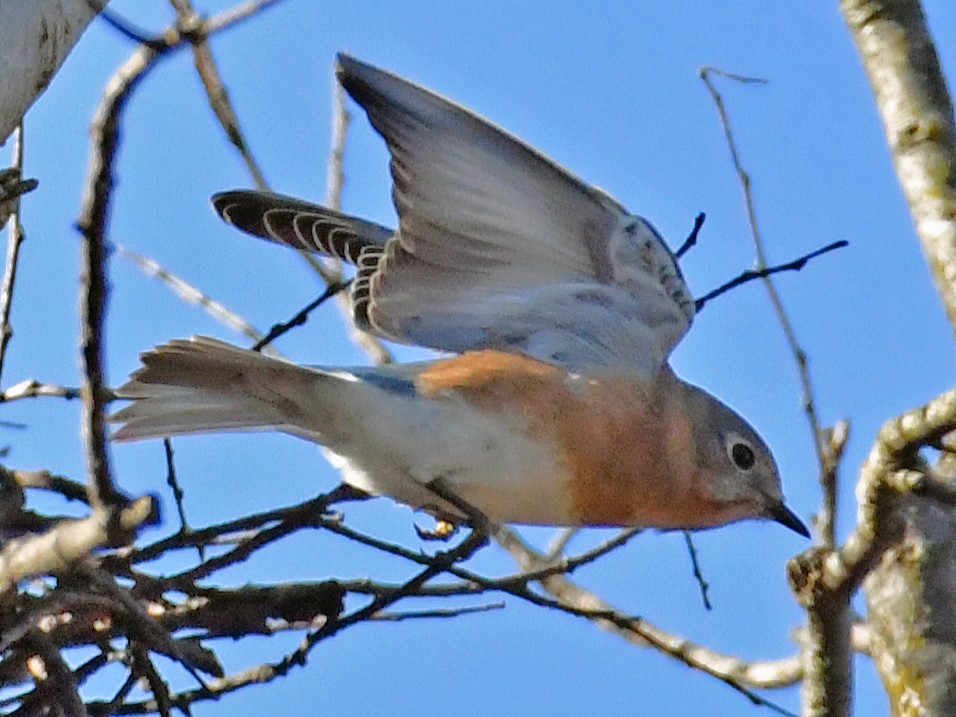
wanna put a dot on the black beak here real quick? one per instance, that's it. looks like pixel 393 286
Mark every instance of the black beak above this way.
pixel 783 515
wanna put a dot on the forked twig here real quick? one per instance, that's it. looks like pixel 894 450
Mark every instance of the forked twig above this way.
pixel 751 274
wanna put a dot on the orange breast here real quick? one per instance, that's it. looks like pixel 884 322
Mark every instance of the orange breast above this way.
pixel 625 459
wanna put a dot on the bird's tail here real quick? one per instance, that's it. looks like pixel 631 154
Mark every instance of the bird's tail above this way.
pixel 201 385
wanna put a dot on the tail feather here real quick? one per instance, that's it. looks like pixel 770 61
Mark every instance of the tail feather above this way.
pixel 202 385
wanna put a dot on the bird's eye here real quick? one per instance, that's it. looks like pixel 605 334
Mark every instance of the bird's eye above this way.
pixel 742 455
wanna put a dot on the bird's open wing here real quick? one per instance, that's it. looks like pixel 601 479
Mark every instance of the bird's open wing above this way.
pixel 497 247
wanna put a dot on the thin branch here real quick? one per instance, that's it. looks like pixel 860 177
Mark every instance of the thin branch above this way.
pixel 437 612
pixel 824 579
pixel 303 514
pixel 559 543
pixel 828 468
pixel 143 667
pixel 12 187
pixel 45 480
pixel 234 16
pixel 698 575
pixel 573 598
pixel 691 239
pixel 119 699
pixel 189 293
pixel 438 564
pixel 239 554
pixel 14 241
pixel 140 624
pixel 124 27
pixel 93 225
pixel 335 182
pixel 751 274
pixel 178 494
pixel 31 388
pixel 268 672
pixel 190 24
pixel 300 317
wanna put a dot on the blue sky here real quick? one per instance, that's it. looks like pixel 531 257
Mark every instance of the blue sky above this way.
pixel 611 91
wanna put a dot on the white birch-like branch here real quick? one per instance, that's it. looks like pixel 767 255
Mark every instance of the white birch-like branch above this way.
pixel 901 62
pixel 35 39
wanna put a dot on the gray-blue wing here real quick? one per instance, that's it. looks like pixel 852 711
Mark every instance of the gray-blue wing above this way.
pixel 497 247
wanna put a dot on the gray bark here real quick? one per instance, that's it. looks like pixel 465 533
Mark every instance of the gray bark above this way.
pixel 35 38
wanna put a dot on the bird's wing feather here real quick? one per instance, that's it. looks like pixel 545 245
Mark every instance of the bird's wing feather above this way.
pixel 498 247
pixel 299 224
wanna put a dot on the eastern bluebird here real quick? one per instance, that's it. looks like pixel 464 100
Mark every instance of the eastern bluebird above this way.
pixel 559 408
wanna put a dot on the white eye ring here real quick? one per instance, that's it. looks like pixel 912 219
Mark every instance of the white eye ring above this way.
pixel 741 453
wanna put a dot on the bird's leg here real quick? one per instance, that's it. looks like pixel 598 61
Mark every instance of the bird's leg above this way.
pixel 474 517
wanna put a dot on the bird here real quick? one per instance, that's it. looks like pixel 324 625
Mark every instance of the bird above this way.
pixel 554 310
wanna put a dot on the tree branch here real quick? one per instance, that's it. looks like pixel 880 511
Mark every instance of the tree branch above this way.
pixel 908 85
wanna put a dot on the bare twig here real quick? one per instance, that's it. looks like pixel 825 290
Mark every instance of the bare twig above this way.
pixel 584 603
pixel 14 241
pixel 691 239
pixel 335 181
pixel 268 672
pixel 698 575
pixel 177 491
pixel 559 543
pixel 234 16
pixel 303 514
pixel 140 624
pixel 31 388
pixel 825 579
pixel 750 275
pixel 437 612
pixel 142 666
pixel 124 27
pixel 894 451
pixel 190 24
pixel 436 565
pixel 300 317
pixel 828 468
pixel 93 225
pixel 239 554
pixel 188 292
pixel 45 480
pixel 571 598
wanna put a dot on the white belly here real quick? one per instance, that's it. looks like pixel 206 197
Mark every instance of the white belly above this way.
pixel 487 459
